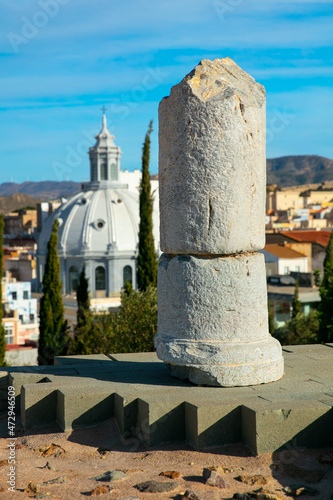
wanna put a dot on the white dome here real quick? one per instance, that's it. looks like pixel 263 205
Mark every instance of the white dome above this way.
pixel 95 221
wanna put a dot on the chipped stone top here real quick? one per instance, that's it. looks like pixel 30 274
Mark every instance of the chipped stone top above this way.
pixel 221 79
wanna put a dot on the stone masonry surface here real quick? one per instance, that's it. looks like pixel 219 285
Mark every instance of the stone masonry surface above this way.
pixel 212 294
pixel 147 403
pixel 212 168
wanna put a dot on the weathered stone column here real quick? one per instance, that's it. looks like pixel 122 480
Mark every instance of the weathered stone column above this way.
pixel 212 296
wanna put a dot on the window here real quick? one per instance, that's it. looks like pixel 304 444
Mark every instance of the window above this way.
pixel 14 295
pixel 127 275
pixel 73 279
pixel 25 294
pixel 100 278
pixel 9 334
pixel 104 172
pixel 94 171
pixel 32 318
pixel 298 269
pixel 286 270
pixel 114 175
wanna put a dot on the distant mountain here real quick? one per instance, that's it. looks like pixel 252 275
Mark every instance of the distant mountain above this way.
pixel 298 170
pixel 284 171
pixel 43 190
pixel 16 201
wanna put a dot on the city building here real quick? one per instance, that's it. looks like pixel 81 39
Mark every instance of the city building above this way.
pixel 297 240
pixel 20 312
pixel 22 222
pixel 280 259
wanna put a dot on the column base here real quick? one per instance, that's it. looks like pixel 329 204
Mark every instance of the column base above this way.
pixel 229 376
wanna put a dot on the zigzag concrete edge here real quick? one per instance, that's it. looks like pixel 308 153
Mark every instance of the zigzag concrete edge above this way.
pixel 148 404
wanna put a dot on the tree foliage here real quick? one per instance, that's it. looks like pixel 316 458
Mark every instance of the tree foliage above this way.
pixel 86 332
pixel 147 258
pixel 300 329
pixel 82 296
pixel 2 330
pixel 131 329
pixel 326 294
pixel 53 330
pixel 135 323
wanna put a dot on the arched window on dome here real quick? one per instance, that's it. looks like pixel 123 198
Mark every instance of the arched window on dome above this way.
pixel 127 275
pixel 73 279
pixel 114 176
pixel 100 278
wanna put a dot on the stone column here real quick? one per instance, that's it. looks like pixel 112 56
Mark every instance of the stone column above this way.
pixel 212 296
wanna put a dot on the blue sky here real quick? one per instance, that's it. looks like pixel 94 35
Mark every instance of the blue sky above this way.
pixel 62 60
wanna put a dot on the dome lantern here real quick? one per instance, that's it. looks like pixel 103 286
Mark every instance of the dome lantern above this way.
pixel 104 158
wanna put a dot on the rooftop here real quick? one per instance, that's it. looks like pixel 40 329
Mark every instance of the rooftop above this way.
pixel 282 251
pixel 320 237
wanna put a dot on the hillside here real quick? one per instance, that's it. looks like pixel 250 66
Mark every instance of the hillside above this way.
pixel 298 170
pixel 284 171
pixel 16 201
pixel 42 190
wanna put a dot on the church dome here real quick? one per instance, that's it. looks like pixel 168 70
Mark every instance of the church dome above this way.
pixel 99 227
pixel 95 222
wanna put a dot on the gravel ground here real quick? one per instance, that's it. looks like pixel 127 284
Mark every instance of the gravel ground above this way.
pixel 74 458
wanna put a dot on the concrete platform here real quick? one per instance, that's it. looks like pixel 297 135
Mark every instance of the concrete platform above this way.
pixel 138 391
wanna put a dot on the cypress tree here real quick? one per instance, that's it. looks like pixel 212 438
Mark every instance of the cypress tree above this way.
pixel 53 336
pixel 147 258
pixel 296 306
pixel 83 341
pixel 326 294
pixel 2 330
pixel 82 296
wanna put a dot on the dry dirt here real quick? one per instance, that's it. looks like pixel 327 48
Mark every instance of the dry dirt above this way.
pixel 82 454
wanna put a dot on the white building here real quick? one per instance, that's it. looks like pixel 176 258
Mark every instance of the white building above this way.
pixel 99 226
pixel 280 259
pixel 20 312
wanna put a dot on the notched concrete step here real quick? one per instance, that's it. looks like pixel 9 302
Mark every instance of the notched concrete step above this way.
pixel 292 425
pixel 148 404
pixel 208 425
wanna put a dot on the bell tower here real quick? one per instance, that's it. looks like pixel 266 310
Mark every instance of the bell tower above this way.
pixel 104 158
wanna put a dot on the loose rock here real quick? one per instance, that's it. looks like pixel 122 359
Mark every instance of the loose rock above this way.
pixel 129 498
pixel 103 451
pixel 172 474
pixel 260 494
pixel 213 479
pixel 100 490
pixel 256 480
pixel 31 488
pixel 110 475
pixel 155 486
pixel 326 458
pixel 57 480
pixel 52 449
pixel 190 495
pixel 300 490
